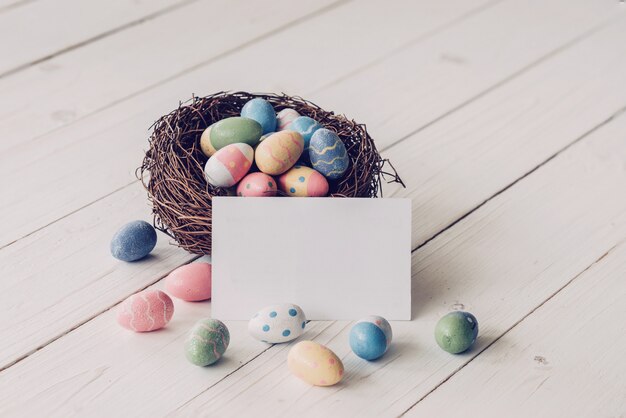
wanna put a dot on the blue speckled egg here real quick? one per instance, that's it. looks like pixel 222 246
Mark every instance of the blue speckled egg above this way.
pixel 328 154
pixel 261 111
pixel 370 337
pixel 306 127
pixel 133 241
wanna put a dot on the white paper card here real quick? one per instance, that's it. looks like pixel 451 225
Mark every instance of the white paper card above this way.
pixel 335 258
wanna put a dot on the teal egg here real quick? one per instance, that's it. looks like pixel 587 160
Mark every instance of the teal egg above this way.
pixel 207 342
pixel 328 154
pixel 456 331
pixel 306 127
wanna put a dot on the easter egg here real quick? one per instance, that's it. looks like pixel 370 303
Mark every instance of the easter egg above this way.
pixel 228 165
pixel 261 111
pixel 315 364
pixel 207 342
pixel 256 185
pixel 145 311
pixel 230 131
pixel 264 136
pixel 279 152
pixel 133 241
pixel 303 181
pixel 191 282
pixel 277 323
pixel 306 127
pixel 285 117
pixel 328 154
pixel 456 331
pixel 370 337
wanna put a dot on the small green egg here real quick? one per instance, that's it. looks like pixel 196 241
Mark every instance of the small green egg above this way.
pixel 456 331
pixel 207 342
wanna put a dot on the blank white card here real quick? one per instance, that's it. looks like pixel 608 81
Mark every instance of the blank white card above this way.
pixel 336 258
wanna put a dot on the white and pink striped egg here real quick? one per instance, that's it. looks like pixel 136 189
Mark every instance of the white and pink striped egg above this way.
pixel 145 311
pixel 285 117
pixel 229 164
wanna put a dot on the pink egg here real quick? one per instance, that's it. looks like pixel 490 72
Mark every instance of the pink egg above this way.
pixel 256 185
pixel 145 311
pixel 191 282
pixel 229 164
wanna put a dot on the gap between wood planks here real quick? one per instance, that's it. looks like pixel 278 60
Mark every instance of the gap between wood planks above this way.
pixel 95 38
pixel 549 298
pixel 15 5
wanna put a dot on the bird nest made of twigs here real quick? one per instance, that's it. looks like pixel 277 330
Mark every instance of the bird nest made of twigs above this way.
pixel 173 168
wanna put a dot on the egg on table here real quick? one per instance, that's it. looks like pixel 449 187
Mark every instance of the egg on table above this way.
pixel 257 185
pixel 285 117
pixel 228 165
pixel 328 154
pixel 145 311
pixel 261 111
pixel 456 332
pixel 133 241
pixel 306 127
pixel 315 364
pixel 277 323
pixel 279 152
pixel 207 342
pixel 191 282
pixel 230 131
pixel 370 337
pixel 302 181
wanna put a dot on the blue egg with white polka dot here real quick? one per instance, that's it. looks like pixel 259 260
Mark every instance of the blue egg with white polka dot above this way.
pixel 261 111
pixel 328 154
pixel 277 323
pixel 370 337
pixel 306 127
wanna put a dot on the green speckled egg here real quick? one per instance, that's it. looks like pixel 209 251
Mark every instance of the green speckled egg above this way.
pixel 456 332
pixel 230 131
pixel 206 342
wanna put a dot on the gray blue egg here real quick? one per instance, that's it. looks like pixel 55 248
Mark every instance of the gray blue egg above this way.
pixel 370 337
pixel 261 111
pixel 328 154
pixel 133 241
pixel 306 127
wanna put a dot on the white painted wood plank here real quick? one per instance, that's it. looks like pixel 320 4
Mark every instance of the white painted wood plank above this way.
pixel 43 28
pixel 39 316
pixel 564 360
pixel 593 81
pixel 84 81
pixel 500 263
pixel 451 167
pixel 66 191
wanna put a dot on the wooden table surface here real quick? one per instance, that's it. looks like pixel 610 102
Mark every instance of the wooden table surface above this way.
pixel 505 119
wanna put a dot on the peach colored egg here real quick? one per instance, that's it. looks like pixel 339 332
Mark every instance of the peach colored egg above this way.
pixel 303 181
pixel 191 282
pixel 229 164
pixel 257 185
pixel 279 152
pixel 145 311
pixel 315 364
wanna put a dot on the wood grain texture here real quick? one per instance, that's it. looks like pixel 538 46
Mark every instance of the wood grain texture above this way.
pixel 39 317
pixel 125 124
pixel 42 29
pixel 500 263
pixel 564 360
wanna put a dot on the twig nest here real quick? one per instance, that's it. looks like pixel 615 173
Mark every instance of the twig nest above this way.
pixel 173 170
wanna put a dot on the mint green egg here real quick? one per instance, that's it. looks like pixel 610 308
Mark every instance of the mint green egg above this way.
pixel 207 342
pixel 456 331
pixel 236 129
